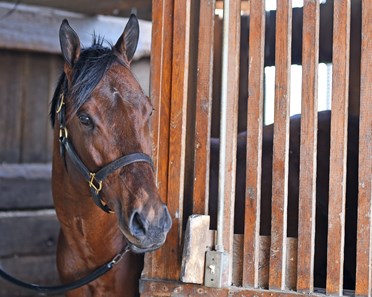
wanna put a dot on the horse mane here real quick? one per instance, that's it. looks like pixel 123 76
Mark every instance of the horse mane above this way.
pixel 88 71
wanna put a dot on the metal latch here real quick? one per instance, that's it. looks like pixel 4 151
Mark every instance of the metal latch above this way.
pixel 216 269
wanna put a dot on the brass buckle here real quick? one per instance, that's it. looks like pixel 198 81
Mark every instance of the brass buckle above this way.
pixel 98 187
pixel 61 102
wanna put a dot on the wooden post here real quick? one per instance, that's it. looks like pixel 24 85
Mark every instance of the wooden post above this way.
pixel 308 149
pixel 161 78
pixel 254 144
pixel 280 145
pixel 170 125
pixel 171 251
pixel 364 241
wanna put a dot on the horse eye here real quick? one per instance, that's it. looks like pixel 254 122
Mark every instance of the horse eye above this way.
pixel 85 120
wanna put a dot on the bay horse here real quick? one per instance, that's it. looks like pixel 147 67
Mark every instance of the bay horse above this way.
pixel 322 190
pixel 102 144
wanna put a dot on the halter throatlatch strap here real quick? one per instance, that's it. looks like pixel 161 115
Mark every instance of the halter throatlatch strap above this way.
pixel 94 179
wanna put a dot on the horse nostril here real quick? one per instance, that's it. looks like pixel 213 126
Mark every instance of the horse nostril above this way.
pixel 166 220
pixel 137 225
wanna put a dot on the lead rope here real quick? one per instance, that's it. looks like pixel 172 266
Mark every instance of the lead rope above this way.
pixel 61 289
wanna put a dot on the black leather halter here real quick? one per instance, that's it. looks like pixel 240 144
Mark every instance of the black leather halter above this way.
pixel 94 179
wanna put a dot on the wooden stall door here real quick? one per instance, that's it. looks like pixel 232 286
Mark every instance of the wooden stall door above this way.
pixel 283 266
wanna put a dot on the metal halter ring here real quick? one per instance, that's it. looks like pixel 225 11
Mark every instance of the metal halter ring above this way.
pixel 92 185
pixel 63 132
pixel 61 102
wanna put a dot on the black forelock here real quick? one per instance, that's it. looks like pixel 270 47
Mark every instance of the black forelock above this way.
pixel 88 71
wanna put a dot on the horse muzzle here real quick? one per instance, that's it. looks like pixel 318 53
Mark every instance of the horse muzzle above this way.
pixel 146 232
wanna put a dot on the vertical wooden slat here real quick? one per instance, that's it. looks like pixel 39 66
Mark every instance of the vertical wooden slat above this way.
pixel 364 242
pixel 280 145
pixel 254 144
pixel 161 75
pixel 231 127
pixel 203 115
pixel 337 174
pixel 309 124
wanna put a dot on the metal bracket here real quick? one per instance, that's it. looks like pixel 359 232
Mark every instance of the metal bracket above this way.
pixel 216 269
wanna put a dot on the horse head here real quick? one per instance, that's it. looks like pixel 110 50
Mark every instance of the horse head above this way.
pixel 104 116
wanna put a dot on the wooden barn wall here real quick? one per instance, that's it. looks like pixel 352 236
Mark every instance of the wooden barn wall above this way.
pixel 28 223
pixel 27 82
pixel 28 226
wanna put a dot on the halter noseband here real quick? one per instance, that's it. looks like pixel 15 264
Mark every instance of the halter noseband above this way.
pixel 94 179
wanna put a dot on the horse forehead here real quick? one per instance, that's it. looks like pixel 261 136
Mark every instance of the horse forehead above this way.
pixel 122 76
pixel 120 79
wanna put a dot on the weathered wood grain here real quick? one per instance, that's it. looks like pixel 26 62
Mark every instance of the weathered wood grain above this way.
pixel 35 269
pixel 199 247
pixel 364 239
pixel 229 89
pixel 11 106
pixel 110 7
pixel 203 115
pixel 25 186
pixel 36 124
pixel 308 149
pixel 28 232
pixel 280 145
pixel 26 90
pixel 177 137
pixel 338 151
pixel 36 29
pixel 254 144
pixel 161 77
pixel 168 258
pixel 281 270
pixel 194 248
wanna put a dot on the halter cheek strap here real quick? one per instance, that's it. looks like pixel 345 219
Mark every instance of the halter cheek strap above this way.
pixel 94 179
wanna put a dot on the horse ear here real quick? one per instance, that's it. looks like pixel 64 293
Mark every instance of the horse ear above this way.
pixel 70 43
pixel 127 43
